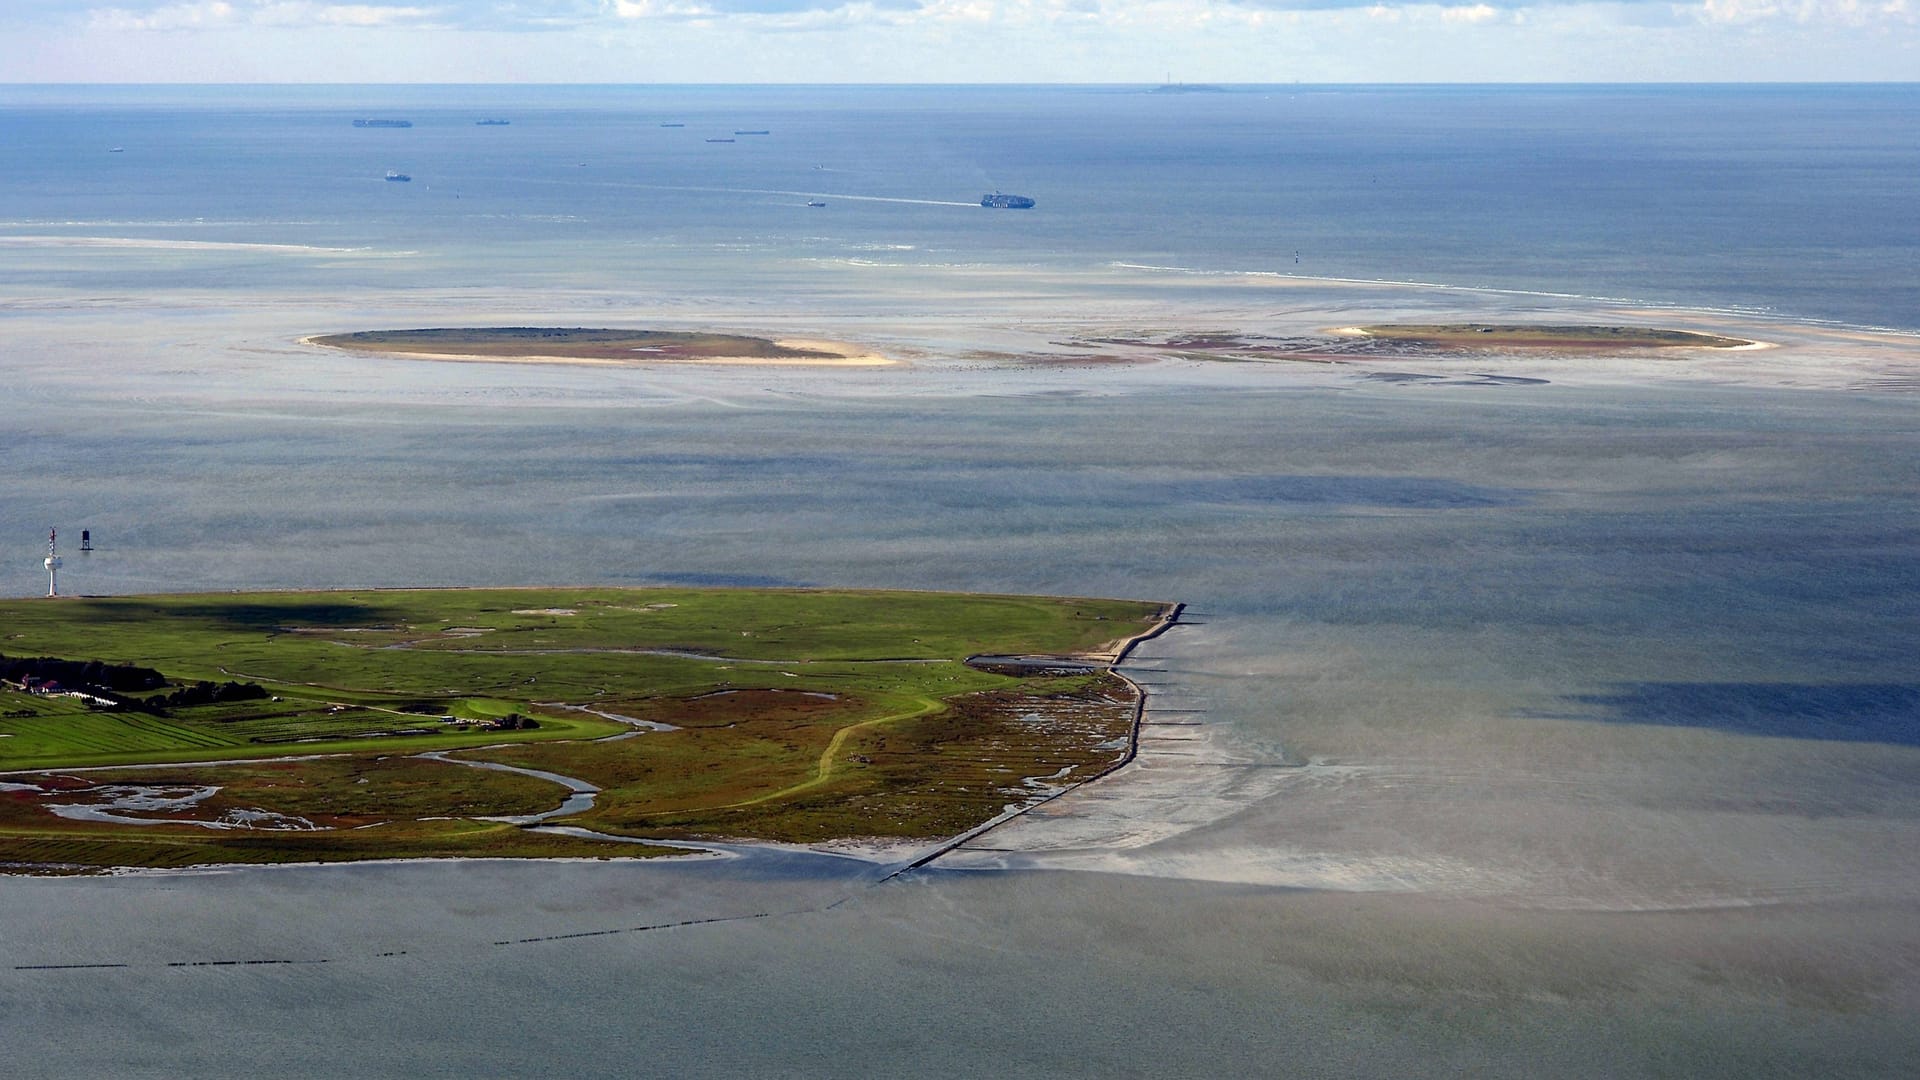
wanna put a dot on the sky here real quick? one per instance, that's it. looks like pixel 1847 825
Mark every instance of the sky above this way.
pixel 956 41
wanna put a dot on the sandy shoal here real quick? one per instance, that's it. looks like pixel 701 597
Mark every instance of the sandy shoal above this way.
pixel 845 356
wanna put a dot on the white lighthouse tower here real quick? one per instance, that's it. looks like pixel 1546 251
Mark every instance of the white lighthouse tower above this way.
pixel 53 563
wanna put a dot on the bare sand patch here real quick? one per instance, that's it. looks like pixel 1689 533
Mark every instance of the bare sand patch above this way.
pixel 603 347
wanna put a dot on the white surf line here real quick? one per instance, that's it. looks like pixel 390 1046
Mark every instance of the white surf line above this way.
pixel 155 223
pixel 184 245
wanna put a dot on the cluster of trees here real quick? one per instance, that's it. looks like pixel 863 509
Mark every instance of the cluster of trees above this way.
pixel 88 675
pixel 120 684
pixel 204 693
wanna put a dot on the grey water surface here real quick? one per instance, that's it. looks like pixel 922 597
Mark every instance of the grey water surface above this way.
pixel 1521 729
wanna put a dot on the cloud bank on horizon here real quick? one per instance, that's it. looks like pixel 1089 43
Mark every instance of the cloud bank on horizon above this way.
pixel 958 40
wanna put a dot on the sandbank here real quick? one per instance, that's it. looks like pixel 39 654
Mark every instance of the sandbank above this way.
pixel 599 347
pixel 1542 336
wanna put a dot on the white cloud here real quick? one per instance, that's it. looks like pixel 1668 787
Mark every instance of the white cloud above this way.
pixel 659 9
pixel 1805 12
pixel 1114 17
pixel 1222 41
pixel 212 14
pixel 172 17
pixel 1474 13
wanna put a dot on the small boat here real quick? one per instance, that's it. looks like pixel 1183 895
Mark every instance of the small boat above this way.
pixel 719 140
pixel 398 177
pixel 117 150
pixel 815 202
pixel 998 201
pixel 383 123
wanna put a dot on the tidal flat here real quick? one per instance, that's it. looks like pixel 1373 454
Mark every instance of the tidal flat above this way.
pixel 1516 723
pixel 1541 713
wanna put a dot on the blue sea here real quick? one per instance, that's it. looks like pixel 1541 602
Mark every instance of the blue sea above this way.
pixel 1535 716
pixel 1795 200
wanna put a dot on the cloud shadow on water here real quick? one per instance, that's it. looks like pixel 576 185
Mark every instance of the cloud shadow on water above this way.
pixel 1851 712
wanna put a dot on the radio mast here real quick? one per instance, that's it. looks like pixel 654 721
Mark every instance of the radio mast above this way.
pixel 53 563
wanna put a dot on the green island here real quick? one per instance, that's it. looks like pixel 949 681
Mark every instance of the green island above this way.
pixel 592 345
pixel 1522 335
pixel 229 728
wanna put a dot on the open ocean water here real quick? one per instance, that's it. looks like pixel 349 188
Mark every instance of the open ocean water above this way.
pixel 1566 728
pixel 1797 200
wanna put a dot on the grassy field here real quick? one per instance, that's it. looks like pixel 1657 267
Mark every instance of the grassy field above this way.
pixel 787 714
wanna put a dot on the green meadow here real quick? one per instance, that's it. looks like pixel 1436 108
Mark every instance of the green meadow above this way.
pixel 776 714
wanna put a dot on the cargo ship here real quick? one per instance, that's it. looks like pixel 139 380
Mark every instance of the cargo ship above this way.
pixel 398 177
pixel 998 201
pixel 383 123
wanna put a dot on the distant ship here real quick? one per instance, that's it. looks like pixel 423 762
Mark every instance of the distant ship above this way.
pixel 815 202
pixel 398 177
pixel 673 125
pixel 383 123
pixel 719 140
pixel 998 201
pixel 753 133
pixel 117 150
pixel 491 123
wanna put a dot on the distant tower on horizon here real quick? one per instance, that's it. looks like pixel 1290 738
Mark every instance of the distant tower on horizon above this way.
pixel 53 563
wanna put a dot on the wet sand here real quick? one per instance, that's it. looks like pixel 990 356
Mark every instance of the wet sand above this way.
pixel 1446 774
pixel 609 348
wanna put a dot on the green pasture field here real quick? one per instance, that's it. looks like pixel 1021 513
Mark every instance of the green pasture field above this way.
pixel 795 714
